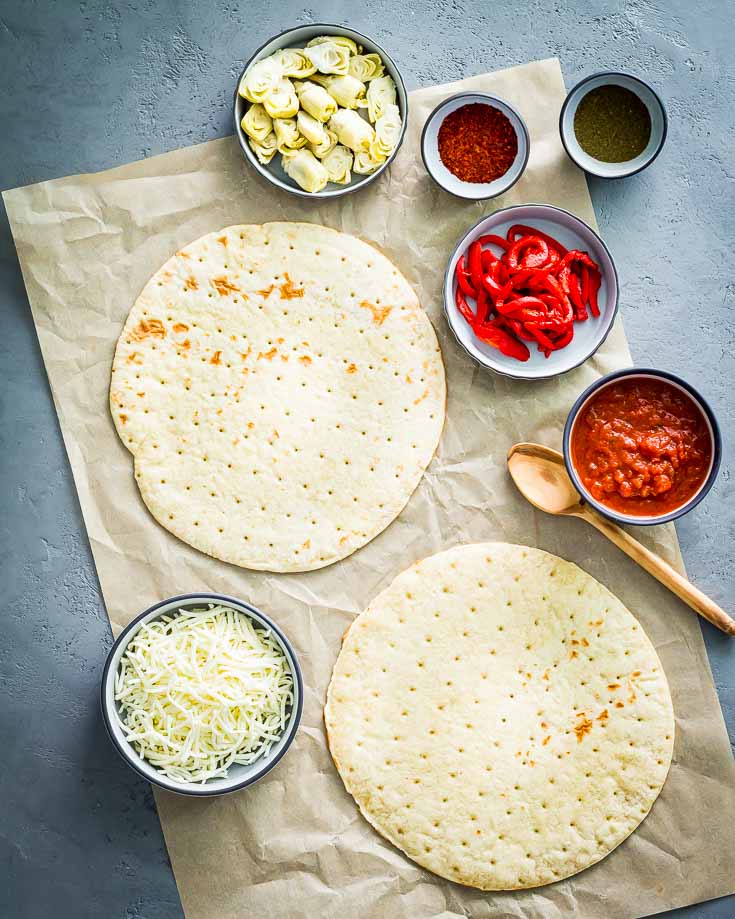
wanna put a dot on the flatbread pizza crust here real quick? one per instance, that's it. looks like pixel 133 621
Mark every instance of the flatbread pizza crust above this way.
pixel 281 391
pixel 500 717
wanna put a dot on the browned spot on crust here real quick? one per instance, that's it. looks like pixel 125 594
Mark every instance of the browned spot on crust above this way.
pixel 148 328
pixel 192 284
pixel 546 740
pixel 305 359
pixel 288 290
pixel 582 727
pixel 276 434
pixel 380 313
pixel 184 345
pixel 222 239
pixel 620 705
pixel 603 716
pixel 141 394
pixel 408 379
pixel 343 539
pixel 216 358
pixel 585 643
pixel 266 291
pixel 132 358
pixel 180 327
pixel 352 369
pixel 613 686
pixel 183 254
pixel 224 287
pixel 421 398
pixel 636 673
pixel 268 355
pixel 573 654
pixel 574 641
pixel 307 544
pixel 123 418
pixel 546 675
pixel 284 358
pixel 251 425
pixel 246 354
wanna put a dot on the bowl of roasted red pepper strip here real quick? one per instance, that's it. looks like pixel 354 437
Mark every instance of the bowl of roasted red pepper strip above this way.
pixel 531 291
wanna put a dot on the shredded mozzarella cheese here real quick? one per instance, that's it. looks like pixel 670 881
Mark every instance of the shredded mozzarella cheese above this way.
pixel 203 689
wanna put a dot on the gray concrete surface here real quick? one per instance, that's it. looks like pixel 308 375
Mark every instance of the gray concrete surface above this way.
pixel 89 84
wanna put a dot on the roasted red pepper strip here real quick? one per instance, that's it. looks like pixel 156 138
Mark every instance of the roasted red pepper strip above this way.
pixel 529 304
pixel 585 284
pixel 564 339
pixel 487 259
pixel 492 240
pixel 494 335
pixel 496 291
pixel 575 295
pixel 464 307
pixel 520 229
pixel 474 263
pixel 518 255
pixel 463 278
pixel 595 281
pixel 545 343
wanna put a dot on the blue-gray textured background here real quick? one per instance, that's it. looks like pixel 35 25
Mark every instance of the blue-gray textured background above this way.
pixel 89 84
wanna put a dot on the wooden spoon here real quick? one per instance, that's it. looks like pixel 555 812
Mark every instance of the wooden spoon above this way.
pixel 541 477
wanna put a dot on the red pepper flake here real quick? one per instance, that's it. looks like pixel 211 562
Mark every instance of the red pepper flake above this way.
pixel 477 143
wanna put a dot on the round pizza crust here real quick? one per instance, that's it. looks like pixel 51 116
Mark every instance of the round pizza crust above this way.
pixel 281 391
pixel 500 716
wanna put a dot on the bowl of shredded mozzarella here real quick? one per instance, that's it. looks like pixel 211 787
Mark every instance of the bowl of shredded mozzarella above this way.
pixel 202 694
pixel 320 110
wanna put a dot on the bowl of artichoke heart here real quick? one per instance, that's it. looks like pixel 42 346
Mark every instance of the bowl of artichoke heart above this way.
pixel 320 111
pixel 202 694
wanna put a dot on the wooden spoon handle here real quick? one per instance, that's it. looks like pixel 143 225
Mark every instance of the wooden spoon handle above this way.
pixel 662 571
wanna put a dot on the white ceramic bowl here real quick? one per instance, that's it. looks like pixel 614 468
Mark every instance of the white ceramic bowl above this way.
pixel 472 191
pixel 297 38
pixel 649 97
pixel 239 776
pixel 572 233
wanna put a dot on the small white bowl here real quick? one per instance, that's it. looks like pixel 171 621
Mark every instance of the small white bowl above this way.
pixel 572 233
pixel 650 98
pixel 297 38
pixel 472 191
pixel 240 776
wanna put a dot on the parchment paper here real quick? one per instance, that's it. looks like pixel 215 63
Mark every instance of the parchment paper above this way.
pixel 295 845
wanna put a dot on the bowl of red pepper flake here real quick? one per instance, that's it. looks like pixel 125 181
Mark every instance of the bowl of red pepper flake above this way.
pixel 642 446
pixel 531 291
pixel 475 146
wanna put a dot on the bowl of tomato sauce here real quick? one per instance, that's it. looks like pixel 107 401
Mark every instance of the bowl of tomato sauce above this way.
pixel 642 446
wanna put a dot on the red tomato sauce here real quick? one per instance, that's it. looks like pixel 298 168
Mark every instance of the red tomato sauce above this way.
pixel 641 447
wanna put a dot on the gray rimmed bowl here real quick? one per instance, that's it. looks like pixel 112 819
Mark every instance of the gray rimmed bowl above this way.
pixel 651 374
pixel 240 776
pixel 472 191
pixel 297 38
pixel 572 233
pixel 650 98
